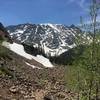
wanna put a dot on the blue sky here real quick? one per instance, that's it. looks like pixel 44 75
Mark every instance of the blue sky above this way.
pixel 42 11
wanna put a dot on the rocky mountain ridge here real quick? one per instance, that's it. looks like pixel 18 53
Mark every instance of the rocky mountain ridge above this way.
pixel 53 39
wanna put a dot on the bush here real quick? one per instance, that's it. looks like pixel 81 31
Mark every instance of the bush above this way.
pixel 1 40
pixel 3 51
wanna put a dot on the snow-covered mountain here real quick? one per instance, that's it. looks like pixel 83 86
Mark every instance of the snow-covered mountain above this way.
pixel 54 39
pixel 18 49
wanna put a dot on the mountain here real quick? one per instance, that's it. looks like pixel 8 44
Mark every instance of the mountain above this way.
pixel 6 41
pixel 68 58
pixel 51 39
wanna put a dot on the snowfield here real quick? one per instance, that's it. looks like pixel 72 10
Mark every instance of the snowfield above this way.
pixel 43 60
pixel 19 49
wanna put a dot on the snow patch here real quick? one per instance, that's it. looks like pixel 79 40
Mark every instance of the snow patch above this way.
pixel 54 52
pixel 19 49
pixel 54 27
pixel 43 61
pixel 19 31
pixel 31 65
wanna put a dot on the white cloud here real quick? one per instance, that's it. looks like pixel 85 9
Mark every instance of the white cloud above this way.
pixel 81 3
pixel 84 5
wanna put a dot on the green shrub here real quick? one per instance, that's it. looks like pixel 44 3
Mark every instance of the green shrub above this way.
pixel 3 51
pixel 1 40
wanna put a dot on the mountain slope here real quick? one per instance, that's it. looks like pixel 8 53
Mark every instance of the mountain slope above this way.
pixel 19 49
pixel 21 82
pixel 67 58
pixel 53 39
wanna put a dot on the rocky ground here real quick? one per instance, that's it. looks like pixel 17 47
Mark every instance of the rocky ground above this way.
pixel 40 88
pixel 21 82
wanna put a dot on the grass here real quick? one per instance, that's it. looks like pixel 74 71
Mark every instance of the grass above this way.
pixel 5 71
pixel 4 55
pixel 3 51
pixel 78 80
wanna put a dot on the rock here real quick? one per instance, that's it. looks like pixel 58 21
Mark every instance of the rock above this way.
pixel 27 97
pixel 47 98
pixel 61 95
pixel 51 97
pixel 39 94
pixel 22 92
pixel 14 89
